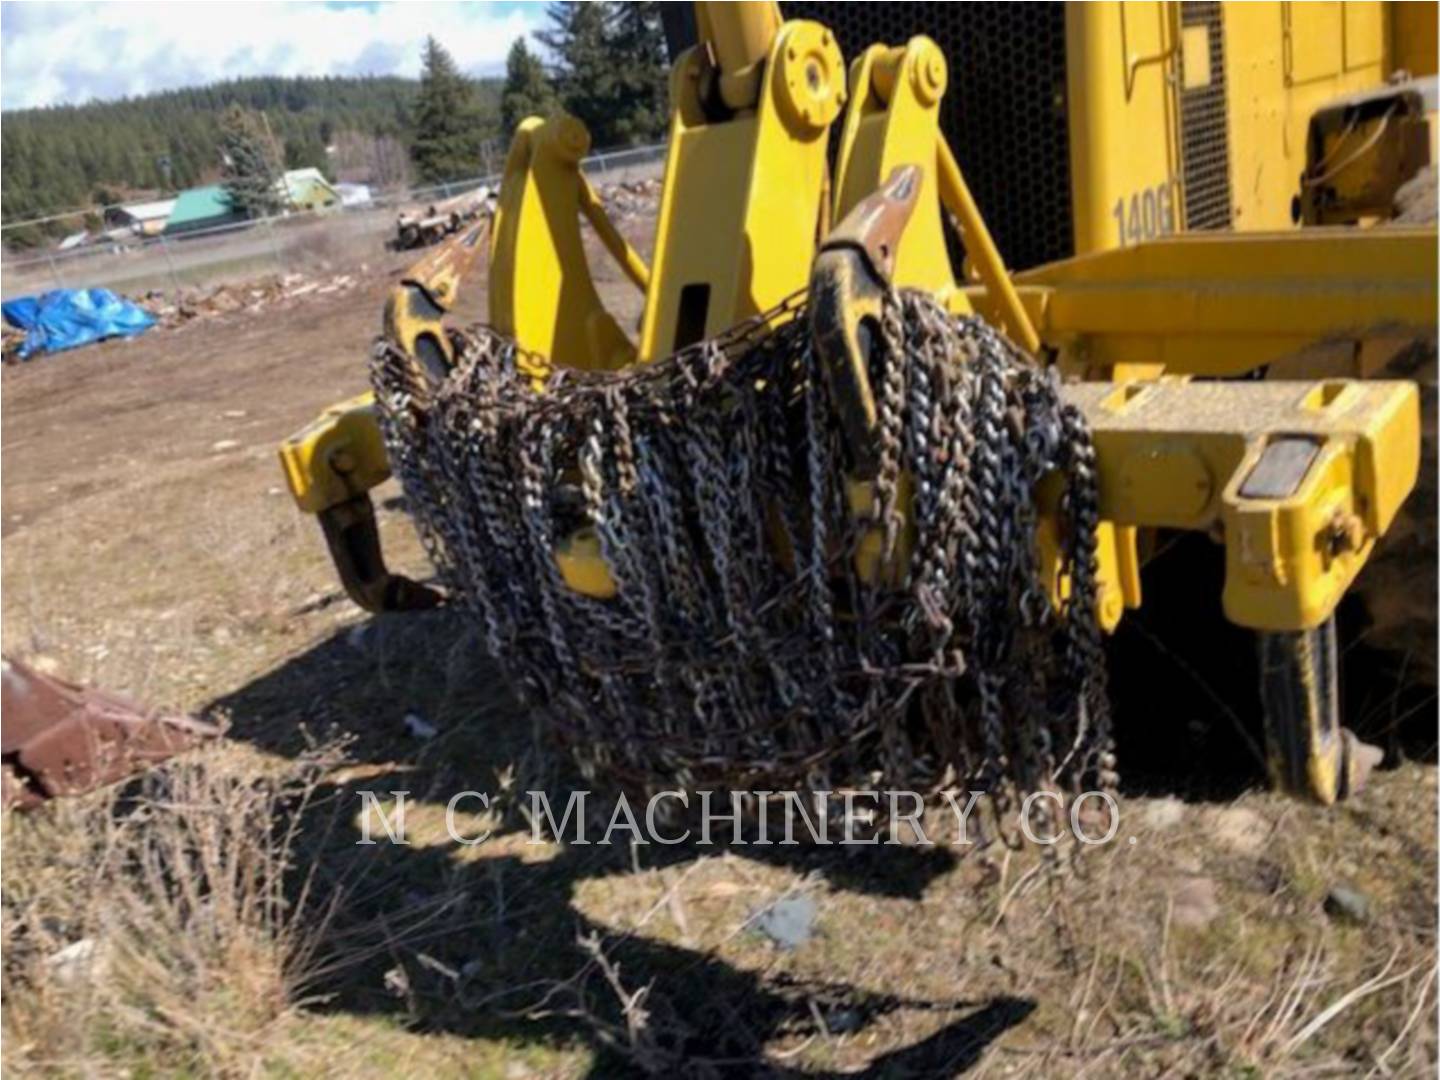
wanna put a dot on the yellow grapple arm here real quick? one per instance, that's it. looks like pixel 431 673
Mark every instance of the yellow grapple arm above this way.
pixel 1298 480
pixel 332 463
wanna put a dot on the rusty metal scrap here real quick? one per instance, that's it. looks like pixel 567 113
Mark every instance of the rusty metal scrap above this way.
pixel 58 738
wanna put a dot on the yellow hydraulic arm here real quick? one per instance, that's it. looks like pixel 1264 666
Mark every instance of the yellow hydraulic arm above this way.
pixel 540 289
pixel 1299 480
pixel 744 199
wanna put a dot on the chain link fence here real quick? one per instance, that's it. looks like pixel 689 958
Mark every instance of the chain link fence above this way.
pixel 335 238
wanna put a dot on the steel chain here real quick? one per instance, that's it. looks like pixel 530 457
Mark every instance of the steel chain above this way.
pixel 743 648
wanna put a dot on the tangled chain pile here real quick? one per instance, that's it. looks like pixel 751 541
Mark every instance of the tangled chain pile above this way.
pixel 743 648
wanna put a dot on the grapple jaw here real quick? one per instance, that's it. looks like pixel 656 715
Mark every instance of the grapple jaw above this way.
pixel 1154 348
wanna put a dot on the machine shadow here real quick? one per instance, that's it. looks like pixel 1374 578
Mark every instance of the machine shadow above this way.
pixel 490 943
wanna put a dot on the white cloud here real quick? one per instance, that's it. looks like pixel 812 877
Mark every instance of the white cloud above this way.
pixel 58 53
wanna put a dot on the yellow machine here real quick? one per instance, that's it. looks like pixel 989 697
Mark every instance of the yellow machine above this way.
pixel 1087 126
pixel 788 170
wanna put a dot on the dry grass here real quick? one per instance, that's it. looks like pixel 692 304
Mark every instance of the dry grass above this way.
pixel 237 929
pixel 165 927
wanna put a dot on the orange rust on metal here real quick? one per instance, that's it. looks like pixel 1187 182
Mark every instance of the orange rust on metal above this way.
pixel 57 738
pixel 878 221
pixel 848 283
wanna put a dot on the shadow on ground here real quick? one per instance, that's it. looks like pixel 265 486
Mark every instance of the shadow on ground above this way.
pixel 495 946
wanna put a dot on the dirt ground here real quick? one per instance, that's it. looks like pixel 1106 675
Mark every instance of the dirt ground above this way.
pixel 150 546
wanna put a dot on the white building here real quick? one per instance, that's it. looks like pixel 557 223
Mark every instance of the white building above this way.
pixel 146 218
pixel 354 194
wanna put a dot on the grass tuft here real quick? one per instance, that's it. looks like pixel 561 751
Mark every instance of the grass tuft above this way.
pixel 165 926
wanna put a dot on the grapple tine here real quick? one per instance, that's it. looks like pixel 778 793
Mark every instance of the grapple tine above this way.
pixel 847 287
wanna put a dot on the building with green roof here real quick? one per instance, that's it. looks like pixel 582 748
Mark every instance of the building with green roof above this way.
pixel 209 207
pixel 202 208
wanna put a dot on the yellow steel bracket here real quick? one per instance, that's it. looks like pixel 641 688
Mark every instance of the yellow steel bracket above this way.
pixel 1225 305
pixel 745 182
pixel 893 121
pixel 336 457
pixel 331 465
pixel 1299 480
pixel 540 289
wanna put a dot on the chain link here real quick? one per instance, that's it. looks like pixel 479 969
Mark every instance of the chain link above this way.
pixel 743 648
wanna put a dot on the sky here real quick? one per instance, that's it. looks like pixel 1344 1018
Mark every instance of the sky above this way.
pixel 54 53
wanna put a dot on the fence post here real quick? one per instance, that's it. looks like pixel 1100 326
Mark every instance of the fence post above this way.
pixel 274 244
pixel 54 269
pixel 170 262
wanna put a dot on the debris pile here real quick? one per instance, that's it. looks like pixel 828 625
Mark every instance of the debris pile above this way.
pixel 631 198
pixel 10 341
pixel 177 308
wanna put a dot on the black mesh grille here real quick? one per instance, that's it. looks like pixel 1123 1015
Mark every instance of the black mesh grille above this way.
pixel 1004 112
pixel 1204 133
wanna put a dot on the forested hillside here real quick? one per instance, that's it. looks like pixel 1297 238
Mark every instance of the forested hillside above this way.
pixel 604 63
pixel 67 157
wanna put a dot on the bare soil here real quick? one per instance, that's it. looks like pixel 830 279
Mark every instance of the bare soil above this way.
pixel 150 547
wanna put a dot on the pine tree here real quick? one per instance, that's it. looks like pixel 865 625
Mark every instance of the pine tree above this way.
pixel 447 123
pixel 638 44
pixel 611 68
pixel 527 92
pixel 251 173
pixel 305 151
pixel 587 70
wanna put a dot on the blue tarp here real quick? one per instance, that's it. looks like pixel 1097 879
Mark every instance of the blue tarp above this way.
pixel 67 318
